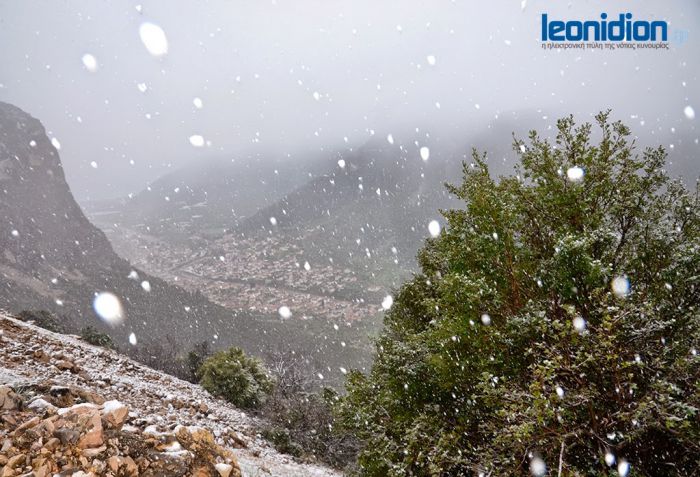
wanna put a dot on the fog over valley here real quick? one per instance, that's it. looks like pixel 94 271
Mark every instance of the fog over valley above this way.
pixel 287 79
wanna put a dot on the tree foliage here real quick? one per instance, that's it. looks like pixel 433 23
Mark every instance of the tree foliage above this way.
pixel 236 377
pixel 520 341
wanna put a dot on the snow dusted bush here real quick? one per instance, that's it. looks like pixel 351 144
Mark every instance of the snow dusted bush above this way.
pixel 47 320
pixel 554 327
pixel 300 419
pixel 97 338
pixel 238 378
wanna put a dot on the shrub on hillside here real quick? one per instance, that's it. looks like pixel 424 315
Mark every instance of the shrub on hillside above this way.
pixel 195 358
pixel 554 326
pixel 238 378
pixel 97 338
pixel 164 354
pixel 47 320
pixel 300 421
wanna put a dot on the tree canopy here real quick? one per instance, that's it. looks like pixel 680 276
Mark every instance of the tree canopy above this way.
pixel 553 328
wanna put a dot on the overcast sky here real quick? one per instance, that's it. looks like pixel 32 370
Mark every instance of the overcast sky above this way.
pixel 289 76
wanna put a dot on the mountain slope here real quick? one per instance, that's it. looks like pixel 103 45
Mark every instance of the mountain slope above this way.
pixel 211 194
pixel 54 258
pixel 154 399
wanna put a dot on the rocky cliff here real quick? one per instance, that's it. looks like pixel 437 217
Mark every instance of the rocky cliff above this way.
pixel 53 258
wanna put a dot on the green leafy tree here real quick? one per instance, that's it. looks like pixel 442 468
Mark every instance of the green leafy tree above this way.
pixel 553 328
pixel 238 378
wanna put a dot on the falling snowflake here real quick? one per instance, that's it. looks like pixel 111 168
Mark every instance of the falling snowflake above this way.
pixel 434 228
pixel 273 221
pixel 108 308
pixel 431 60
pixel 198 103
pixel 196 140
pixel 146 285
pixel 579 324
pixel 424 153
pixel 620 286
pixel 689 112
pixel 341 163
pixel 153 38
pixel 307 267
pixel 93 164
pixel 538 467
pixel 575 174
pixel 15 233
pixel 142 87
pixel 486 319
pixel 90 62
pixel 609 458
pixel 387 302
pixel 132 339
pixel 55 143
pixel 390 138
pixel 623 468
pixel 284 312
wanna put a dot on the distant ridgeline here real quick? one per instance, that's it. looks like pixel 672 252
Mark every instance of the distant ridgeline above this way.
pixel 621 29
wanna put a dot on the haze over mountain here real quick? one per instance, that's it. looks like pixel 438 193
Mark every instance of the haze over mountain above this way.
pixel 278 78
pixel 54 259
pixel 367 207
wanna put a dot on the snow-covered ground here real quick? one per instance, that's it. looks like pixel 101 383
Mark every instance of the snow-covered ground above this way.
pixel 153 397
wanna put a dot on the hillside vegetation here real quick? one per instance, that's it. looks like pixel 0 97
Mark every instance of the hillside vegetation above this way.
pixel 553 328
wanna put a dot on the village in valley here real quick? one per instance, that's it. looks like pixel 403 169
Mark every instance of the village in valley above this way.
pixel 249 273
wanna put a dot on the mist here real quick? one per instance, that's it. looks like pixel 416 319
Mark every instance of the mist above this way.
pixel 284 78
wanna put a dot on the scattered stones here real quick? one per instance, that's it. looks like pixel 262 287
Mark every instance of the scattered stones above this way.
pixel 41 356
pixel 64 365
pixel 224 470
pixel 114 413
pixel 9 400
pixel 87 440
pixel 69 428
pixel 40 405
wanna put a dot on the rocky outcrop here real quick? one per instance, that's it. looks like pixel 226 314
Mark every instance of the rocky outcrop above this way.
pixel 91 439
pixel 52 258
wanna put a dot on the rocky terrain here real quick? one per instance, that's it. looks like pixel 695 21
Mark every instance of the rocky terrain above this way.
pixel 69 408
